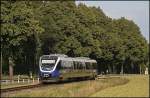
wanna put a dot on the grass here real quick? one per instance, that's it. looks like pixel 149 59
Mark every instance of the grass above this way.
pixel 71 89
pixel 15 84
pixel 126 86
pixel 138 86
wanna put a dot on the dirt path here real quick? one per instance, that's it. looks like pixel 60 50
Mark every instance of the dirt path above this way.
pixel 138 86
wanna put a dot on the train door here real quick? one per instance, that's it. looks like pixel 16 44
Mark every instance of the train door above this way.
pixel 89 68
pixel 66 68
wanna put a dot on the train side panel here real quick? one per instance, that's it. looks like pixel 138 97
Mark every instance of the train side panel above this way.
pixel 72 69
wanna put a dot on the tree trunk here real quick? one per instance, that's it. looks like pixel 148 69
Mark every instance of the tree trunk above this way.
pixel 140 69
pixel 132 66
pixel 1 66
pixel 10 69
pixel 109 69
pixel 114 69
pixel 11 72
pixel 122 69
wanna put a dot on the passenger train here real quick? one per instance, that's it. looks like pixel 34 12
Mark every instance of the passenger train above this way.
pixel 56 67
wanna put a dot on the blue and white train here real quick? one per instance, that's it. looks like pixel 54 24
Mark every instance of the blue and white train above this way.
pixel 59 67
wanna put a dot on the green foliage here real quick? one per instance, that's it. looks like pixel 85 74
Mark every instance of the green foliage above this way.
pixel 18 23
pixel 35 28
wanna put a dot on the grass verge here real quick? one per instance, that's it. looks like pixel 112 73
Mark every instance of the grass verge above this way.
pixel 138 86
pixel 72 89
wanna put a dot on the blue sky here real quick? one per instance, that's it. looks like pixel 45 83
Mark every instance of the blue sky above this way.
pixel 138 11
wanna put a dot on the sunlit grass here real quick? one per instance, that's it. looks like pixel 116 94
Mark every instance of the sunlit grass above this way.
pixel 138 86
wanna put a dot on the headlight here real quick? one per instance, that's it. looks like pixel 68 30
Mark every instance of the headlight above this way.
pixel 46 75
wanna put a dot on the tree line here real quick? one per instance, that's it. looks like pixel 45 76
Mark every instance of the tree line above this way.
pixel 30 29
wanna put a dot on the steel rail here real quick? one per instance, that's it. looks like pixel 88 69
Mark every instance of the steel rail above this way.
pixel 20 88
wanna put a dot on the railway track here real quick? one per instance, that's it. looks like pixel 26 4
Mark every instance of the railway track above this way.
pixel 40 84
pixel 107 76
pixel 5 90
pixel 20 88
pixel 115 76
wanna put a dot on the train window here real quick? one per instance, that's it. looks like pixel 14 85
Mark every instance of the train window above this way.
pixel 72 65
pixel 63 64
pixel 67 64
pixel 83 65
pixel 75 65
pixel 87 65
pixel 80 65
pixel 94 65
pixel 90 65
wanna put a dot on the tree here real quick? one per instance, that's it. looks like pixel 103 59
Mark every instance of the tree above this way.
pixel 18 23
pixel 75 30
pixel 133 42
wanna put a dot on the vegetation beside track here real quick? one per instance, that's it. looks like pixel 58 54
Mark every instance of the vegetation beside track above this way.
pixel 138 86
pixel 10 85
pixel 23 80
pixel 71 89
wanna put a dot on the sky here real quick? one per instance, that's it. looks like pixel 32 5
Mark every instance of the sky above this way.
pixel 138 11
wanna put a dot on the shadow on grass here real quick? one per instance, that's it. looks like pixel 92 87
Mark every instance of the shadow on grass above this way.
pixel 70 80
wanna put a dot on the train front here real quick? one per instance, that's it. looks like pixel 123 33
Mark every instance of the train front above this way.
pixel 47 66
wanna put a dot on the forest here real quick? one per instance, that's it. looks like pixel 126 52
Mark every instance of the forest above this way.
pixel 30 29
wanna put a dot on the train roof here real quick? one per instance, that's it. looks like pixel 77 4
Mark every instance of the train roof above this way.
pixel 80 59
pixel 57 55
pixel 66 58
pixel 77 59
